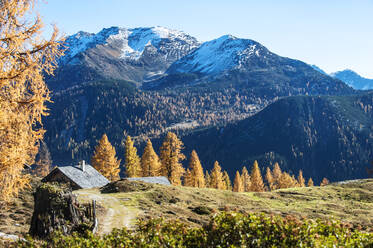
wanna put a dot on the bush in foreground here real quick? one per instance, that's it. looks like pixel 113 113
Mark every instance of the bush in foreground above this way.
pixel 224 230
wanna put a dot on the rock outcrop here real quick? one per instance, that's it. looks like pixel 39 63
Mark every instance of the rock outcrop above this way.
pixel 57 209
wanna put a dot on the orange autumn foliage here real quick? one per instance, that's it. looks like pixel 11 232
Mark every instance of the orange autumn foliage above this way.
pixel 25 58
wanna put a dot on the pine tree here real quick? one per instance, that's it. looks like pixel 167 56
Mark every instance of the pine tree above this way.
pixel 276 176
pixel 132 160
pixel 269 178
pixel 257 184
pixel 150 163
pixel 310 182
pixel 227 181
pixel 245 178
pixel 171 158
pixel 196 170
pixel 216 177
pixel 188 181
pixel 26 58
pixel 301 180
pixel 104 160
pixel 324 182
pixel 237 184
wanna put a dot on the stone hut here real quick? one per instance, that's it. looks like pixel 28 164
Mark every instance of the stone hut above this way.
pixel 81 176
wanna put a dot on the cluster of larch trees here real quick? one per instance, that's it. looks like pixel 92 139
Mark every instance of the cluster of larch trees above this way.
pixel 275 179
pixel 168 164
pixel 149 165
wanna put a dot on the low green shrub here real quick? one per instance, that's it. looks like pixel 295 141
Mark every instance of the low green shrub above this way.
pixel 224 230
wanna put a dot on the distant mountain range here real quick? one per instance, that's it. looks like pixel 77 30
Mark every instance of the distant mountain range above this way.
pixel 354 80
pixel 159 57
pixel 144 82
pixel 350 77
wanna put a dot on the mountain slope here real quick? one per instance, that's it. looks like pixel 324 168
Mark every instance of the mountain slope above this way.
pixel 354 80
pixel 319 69
pixel 323 136
pixel 80 115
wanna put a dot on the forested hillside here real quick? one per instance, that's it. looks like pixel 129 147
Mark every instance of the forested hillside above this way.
pixel 323 136
pixel 80 115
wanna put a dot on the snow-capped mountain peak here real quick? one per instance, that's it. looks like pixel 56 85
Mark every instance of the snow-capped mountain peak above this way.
pixel 132 41
pixel 218 55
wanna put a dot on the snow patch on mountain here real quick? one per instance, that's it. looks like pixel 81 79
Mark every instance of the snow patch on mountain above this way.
pixel 77 43
pixel 133 41
pixel 215 56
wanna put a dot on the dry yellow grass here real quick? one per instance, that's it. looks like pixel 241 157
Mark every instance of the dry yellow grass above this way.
pixel 16 215
pixel 352 202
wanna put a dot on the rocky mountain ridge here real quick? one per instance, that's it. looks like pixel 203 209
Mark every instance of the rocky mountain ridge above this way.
pixel 134 55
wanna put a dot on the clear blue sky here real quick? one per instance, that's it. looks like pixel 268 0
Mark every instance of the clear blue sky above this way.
pixel 333 34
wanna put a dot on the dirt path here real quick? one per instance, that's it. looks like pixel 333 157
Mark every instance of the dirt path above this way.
pixel 117 215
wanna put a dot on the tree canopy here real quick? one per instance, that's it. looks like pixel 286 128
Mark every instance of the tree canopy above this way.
pixel 25 58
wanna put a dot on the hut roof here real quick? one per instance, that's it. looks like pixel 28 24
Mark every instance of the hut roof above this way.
pixel 85 178
pixel 159 180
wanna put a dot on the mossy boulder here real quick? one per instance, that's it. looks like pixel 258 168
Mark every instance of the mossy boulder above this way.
pixel 56 208
pixel 126 186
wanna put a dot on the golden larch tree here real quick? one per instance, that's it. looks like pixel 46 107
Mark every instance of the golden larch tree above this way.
pixel 310 182
pixel 132 161
pixel 227 181
pixel 269 178
pixel 301 180
pixel 286 181
pixel 237 183
pixel 324 182
pixel 216 177
pixel 188 179
pixel 104 159
pixel 171 157
pixel 257 184
pixel 294 181
pixel 26 57
pixel 276 176
pixel 150 163
pixel 245 178
pixel 196 170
